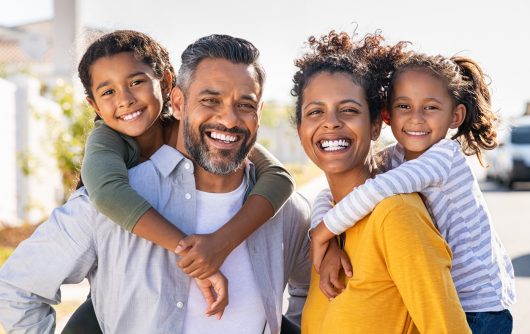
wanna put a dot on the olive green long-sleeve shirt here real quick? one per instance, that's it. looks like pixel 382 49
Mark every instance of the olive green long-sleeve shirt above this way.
pixel 108 155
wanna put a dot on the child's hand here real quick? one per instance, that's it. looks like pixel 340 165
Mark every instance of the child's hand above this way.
pixel 215 291
pixel 334 261
pixel 320 237
pixel 202 254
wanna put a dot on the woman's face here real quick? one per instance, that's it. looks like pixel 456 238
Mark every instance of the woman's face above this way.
pixel 335 128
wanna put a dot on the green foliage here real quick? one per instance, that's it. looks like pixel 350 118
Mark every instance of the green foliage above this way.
pixel 69 140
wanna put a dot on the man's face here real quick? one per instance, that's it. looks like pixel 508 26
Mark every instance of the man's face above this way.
pixel 220 115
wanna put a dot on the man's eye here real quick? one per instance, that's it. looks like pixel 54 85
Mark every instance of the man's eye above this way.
pixel 247 106
pixel 209 101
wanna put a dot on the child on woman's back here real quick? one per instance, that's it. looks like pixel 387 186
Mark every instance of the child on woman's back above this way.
pixel 427 96
pixel 128 78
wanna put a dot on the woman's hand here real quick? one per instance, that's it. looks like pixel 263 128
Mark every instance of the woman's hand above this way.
pixel 215 291
pixel 202 254
pixel 333 262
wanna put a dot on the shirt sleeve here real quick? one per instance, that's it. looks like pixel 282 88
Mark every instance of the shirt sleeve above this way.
pixel 431 169
pixel 104 174
pixel 273 181
pixel 60 251
pixel 298 264
pixel 322 204
pixel 419 262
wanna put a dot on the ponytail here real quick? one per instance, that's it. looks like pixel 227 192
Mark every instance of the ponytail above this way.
pixel 478 129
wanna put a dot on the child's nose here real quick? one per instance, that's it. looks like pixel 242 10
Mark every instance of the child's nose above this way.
pixel 126 98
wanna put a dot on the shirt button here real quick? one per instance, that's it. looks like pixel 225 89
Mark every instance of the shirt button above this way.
pixel 180 304
pixel 187 165
pixel 187 196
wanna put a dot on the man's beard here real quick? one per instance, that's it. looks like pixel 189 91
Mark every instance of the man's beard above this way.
pixel 219 162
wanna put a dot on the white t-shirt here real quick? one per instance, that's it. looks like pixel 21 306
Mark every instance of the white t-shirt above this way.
pixel 245 312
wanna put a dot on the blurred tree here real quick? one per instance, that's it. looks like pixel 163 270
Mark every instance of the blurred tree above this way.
pixel 69 140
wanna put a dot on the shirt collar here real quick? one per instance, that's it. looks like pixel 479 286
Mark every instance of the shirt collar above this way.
pixel 166 159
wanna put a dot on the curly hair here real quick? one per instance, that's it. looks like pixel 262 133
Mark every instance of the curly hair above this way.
pixel 367 61
pixel 466 84
pixel 144 49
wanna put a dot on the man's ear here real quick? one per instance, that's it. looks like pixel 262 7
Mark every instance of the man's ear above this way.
pixel 177 102
pixel 459 115
pixel 93 105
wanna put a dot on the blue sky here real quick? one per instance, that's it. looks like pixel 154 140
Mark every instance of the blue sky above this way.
pixel 496 34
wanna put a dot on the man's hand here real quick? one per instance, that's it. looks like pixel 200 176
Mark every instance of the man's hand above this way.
pixel 320 237
pixel 215 291
pixel 334 261
pixel 202 254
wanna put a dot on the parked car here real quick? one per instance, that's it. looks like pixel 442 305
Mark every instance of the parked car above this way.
pixel 510 162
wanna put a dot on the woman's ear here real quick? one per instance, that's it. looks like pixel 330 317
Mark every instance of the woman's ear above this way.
pixel 459 115
pixel 177 102
pixel 93 105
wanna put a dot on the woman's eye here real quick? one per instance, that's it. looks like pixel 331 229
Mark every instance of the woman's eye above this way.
pixel 313 112
pixel 350 110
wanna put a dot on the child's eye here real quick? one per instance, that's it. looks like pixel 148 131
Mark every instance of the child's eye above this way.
pixel 402 106
pixel 431 108
pixel 107 92
pixel 136 82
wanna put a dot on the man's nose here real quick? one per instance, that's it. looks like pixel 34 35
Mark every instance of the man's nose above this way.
pixel 228 116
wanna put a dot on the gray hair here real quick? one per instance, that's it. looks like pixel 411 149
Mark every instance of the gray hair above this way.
pixel 236 50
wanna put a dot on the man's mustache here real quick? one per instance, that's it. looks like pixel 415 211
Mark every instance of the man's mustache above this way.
pixel 219 127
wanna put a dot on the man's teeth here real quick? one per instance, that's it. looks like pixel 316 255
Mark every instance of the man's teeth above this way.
pixel 130 116
pixel 223 137
pixel 334 145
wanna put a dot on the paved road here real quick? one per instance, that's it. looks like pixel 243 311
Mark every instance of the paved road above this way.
pixel 510 211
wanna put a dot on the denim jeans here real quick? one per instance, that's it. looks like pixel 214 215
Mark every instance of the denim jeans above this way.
pixel 490 322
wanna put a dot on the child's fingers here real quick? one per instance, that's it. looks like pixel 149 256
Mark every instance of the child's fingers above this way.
pixel 327 288
pixel 346 264
pixel 336 281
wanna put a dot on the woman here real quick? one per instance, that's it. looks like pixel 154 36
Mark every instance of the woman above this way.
pixel 401 280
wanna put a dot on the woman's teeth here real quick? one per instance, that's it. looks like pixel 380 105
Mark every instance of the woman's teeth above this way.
pixel 334 145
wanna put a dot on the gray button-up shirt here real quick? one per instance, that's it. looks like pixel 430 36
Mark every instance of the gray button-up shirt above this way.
pixel 135 285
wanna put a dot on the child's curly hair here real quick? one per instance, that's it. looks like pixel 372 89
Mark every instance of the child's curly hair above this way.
pixel 367 61
pixel 466 84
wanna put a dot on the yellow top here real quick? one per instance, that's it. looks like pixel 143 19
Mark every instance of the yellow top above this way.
pixel 401 278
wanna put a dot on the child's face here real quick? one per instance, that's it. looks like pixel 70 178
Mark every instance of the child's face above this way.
pixel 127 95
pixel 421 111
pixel 335 128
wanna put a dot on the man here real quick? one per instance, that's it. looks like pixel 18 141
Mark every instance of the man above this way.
pixel 134 286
